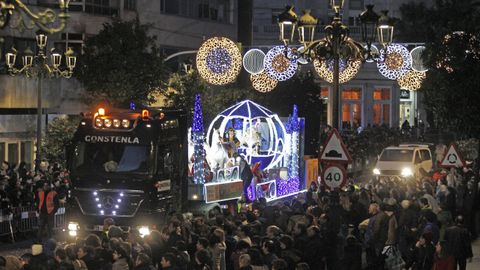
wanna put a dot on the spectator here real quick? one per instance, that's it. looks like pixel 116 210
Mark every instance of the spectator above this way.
pixel 61 259
pixel 168 261
pixel 443 261
pixel 203 260
pixel 459 243
pixel 143 262
pixel 121 259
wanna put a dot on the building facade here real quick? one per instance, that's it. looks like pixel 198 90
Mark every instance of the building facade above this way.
pixel 369 98
pixel 179 25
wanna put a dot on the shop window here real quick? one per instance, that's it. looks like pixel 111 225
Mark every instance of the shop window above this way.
pixel 70 40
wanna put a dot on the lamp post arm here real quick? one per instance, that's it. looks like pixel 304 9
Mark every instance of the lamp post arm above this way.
pixel 43 18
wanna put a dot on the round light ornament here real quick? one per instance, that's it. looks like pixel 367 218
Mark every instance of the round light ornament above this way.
pixel 253 61
pixel 374 52
pixel 412 80
pixel 348 69
pixel 417 61
pixel 394 62
pixel 278 66
pixel 262 82
pixel 219 61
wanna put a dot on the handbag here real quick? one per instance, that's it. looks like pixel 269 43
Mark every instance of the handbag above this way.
pixel 394 260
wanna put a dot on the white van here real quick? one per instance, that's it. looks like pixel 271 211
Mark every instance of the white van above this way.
pixel 405 160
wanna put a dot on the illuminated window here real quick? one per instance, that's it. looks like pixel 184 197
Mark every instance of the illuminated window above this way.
pixel 381 106
pixel 324 93
pixel 354 93
pixel 381 94
pixel 351 108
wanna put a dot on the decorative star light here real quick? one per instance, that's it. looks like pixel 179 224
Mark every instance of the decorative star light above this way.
pixel 263 83
pixel 278 66
pixel 412 80
pixel 348 69
pixel 395 61
pixel 219 61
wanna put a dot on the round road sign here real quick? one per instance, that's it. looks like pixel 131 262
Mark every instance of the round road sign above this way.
pixel 334 177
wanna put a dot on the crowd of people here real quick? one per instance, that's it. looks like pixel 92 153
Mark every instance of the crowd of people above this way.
pixel 396 224
pixel 19 186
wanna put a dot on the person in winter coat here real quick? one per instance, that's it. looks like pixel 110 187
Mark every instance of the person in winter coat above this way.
pixel 217 249
pixel 203 260
pixel 459 243
pixel 143 262
pixel 423 253
pixel 443 260
pixel 121 259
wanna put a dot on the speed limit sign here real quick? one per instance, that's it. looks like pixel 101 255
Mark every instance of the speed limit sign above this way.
pixel 334 177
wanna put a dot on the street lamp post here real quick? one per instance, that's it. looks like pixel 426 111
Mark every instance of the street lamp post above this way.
pixel 336 45
pixel 38 66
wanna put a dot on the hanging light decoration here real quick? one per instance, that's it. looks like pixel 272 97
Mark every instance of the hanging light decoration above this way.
pixel 262 82
pixel 348 69
pixel 412 80
pixel 219 61
pixel 253 61
pixel 417 61
pixel 278 65
pixel 395 60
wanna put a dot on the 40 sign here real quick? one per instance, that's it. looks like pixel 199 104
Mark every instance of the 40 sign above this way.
pixel 334 177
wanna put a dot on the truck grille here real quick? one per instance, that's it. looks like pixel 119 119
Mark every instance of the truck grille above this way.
pixel 109 202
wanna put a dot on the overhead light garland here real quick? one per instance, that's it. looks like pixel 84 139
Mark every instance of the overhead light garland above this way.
pixel 394 61
pixel 412 80
pixel 219 61
pixel 278 65
pixel 263 83
pixel 348 69
pixel 253 61
pixel 459 48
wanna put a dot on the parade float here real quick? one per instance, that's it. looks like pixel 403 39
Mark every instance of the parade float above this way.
pixel 247 133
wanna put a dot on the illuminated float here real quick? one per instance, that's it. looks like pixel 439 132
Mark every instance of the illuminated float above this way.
pixel 269 144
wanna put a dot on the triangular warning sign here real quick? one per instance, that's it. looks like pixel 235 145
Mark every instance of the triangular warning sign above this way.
pixel 334 149
pixel 452 158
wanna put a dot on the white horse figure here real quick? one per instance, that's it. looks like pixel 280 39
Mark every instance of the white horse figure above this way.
pixel 217 156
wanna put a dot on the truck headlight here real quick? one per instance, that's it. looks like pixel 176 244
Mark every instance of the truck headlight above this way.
pixel 73 226
pixel 376 171
pixel 72 229
pixel 144 231
pixel 407 172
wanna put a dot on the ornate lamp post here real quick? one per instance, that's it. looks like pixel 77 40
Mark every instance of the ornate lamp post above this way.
pixel 38 66
pixel 336 44
pixel 42 19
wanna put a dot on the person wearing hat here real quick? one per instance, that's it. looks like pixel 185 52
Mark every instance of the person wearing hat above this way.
pixel 232 140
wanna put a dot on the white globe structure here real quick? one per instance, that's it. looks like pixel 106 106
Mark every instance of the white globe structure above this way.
pixel 261 133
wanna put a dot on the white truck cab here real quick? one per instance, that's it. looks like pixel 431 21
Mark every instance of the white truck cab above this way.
pixel 405 161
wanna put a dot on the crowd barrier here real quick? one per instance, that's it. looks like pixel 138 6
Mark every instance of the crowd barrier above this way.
pixel 25 220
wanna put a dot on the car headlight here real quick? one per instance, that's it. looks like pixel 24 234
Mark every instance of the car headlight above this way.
pixel 407 172
pixel 72 226
pixel 144 231
pixel 376 171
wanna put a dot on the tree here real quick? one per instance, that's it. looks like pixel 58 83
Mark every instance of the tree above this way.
pixel 450 89
pixel 59 133
pixel 121 64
